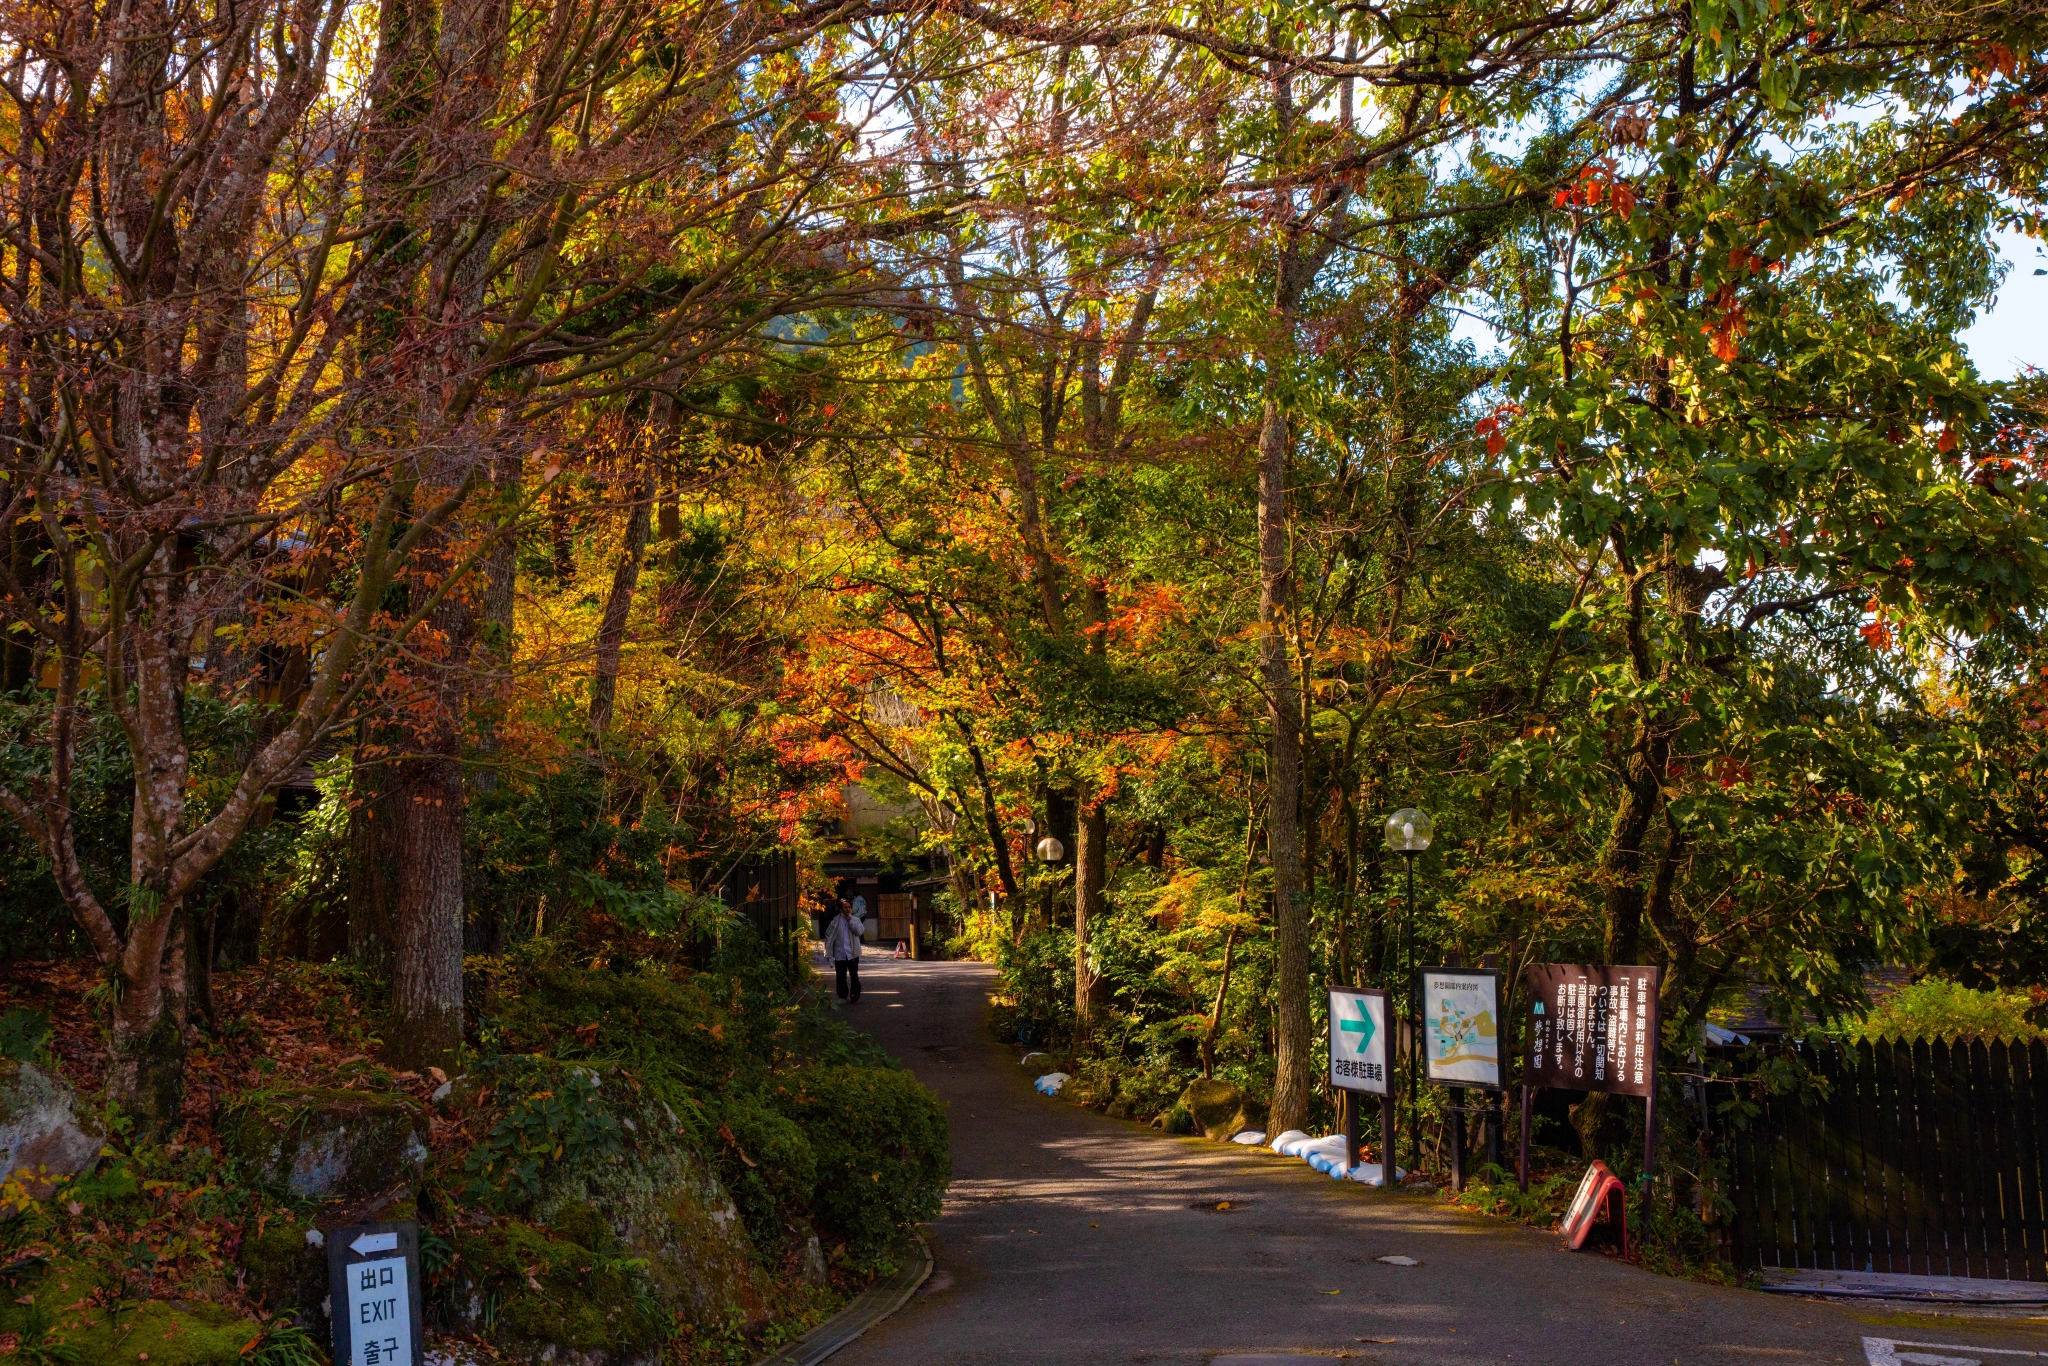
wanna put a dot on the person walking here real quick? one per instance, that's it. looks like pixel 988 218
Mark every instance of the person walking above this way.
pixel 842 946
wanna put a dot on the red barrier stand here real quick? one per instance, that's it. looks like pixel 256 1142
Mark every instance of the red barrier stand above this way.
pixel 1602 1200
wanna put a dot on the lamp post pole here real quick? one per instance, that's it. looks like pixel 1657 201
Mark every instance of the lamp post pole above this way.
pixel 1408 834
pixel 1413 1014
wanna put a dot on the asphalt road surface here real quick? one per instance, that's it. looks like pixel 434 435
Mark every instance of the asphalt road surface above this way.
pixel 1069 1237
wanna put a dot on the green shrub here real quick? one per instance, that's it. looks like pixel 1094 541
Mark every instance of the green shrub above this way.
pixel 881 1144
pixel 767 1166
pixel 545 1112
pixel 801 1116
pixel 1935 1008
pixel 689 1031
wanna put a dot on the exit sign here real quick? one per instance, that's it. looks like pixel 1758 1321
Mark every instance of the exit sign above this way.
pixel 373 1276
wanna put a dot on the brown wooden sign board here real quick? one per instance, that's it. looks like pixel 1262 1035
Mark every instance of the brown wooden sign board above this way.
pixel 1593 1028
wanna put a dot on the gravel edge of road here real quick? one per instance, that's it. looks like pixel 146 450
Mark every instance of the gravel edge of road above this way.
pixel 867 1309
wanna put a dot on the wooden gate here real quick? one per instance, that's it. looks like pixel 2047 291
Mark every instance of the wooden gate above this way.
pixel 1925 1159
pixel 895 912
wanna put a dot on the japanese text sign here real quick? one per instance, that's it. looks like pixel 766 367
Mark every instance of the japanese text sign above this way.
pixel 1593 1028
pixel 1359 1056
pixel 1461 1028
pixel 373 1272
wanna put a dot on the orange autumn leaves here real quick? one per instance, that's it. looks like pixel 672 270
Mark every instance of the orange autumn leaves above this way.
pixel 1598 185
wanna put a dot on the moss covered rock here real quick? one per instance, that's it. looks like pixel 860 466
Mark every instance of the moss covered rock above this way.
pixel 55 1319
pixel 542 1295
pixel 325 1144
pixel 42 1136
pixel 284 1263
pixel 597 1253
pixel 1220 1109
pixel 285 1269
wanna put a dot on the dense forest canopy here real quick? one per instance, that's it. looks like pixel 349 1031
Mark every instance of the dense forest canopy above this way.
pixel 481 473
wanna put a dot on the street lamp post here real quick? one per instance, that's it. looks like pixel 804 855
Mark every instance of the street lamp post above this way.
pixel 1050 850
pixel 1408 834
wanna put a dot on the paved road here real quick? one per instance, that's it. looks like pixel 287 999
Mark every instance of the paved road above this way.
pixel 1069 1237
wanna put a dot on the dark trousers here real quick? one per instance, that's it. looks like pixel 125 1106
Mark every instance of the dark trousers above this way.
pixel 848 978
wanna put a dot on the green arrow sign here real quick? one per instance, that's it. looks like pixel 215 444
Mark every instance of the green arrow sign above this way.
pixel 1362 1026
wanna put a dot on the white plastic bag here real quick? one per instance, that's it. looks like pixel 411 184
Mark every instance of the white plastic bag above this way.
pixel 1051 1082
pixel 1324 1154
pixel 1368 1174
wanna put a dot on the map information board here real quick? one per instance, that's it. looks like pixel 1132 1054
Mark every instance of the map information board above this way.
pixel 1461 1028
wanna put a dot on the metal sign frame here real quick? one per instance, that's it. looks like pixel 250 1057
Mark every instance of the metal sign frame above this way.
pixel 387 1256
pixel 1379 1052
pixel 1499 1080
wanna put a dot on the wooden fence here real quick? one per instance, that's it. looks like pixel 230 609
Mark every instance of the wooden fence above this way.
pixel 765 891
pixel 1927 1159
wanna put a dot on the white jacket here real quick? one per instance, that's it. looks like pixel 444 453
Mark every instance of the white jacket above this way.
pixel 842 938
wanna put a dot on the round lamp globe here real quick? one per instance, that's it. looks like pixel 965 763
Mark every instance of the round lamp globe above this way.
pixel 1051 850
pixel 1408 830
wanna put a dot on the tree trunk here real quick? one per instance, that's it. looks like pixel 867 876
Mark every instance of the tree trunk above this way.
pixel 999 841
pixel 1596 1118
pixel 146 1074
pixel 1091 830
pixel 426 978
pixel 1621 862
pixel 494 638
pixel 1216 1011
pixel 1090 865
pixel 611 631
pixel 1283 817
pixel 1347 907
pixel 429 799
pixel 17 654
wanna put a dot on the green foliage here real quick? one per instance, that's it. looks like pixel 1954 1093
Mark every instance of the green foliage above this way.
pixel 108 1183
pixel 258 866
pixel 549 1112
pixel 286 1342
pixel 25 1036
pixel 1494 1191
pixel 1935 1008
pixel 726 1049
pixel 766 1163
pixel 880 1140
pixel 548 845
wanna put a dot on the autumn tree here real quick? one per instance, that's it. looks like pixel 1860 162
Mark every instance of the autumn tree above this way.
pixel 277 309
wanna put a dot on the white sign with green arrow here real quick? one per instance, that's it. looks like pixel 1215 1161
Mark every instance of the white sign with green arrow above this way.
pixel 1359 1059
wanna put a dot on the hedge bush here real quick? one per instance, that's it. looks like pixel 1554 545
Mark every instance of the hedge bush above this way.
pixel 882 1151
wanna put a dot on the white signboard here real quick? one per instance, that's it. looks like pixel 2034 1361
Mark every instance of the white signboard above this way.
pixel 1359 1059
pixel 1461 1027
pixel 379 1313
pixel 373 1279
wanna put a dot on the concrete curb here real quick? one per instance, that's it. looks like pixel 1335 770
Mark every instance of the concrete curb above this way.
pixel 867 1309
